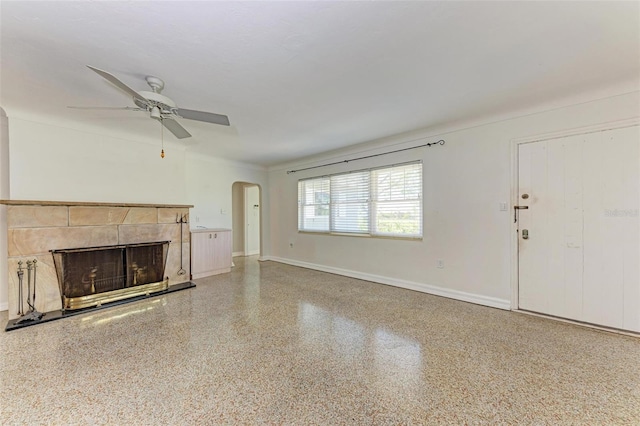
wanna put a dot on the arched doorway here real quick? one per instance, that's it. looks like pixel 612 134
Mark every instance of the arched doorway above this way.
pixel 246 211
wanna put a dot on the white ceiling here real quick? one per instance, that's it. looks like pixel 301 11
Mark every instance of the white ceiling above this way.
pixel 299 78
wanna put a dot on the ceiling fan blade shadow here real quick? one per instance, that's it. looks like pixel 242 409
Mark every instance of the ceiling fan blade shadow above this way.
pixel 116 82
pixel 207 117
pixel 175 128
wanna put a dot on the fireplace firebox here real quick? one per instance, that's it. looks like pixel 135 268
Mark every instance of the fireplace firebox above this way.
pixel 93 276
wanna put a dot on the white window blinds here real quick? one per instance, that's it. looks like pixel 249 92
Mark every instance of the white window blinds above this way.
pixel 396 201
pixel 350 203
pixel 313 204
pixel 379 202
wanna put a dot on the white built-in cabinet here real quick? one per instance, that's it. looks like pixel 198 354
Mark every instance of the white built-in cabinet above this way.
pixel 210 252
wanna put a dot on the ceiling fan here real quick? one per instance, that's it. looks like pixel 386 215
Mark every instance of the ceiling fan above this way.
pixel 159 106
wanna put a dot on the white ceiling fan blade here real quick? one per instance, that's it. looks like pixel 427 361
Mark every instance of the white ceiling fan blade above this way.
pixel 116 82
pixel 114 108
pixel 207 117
pixel 175 128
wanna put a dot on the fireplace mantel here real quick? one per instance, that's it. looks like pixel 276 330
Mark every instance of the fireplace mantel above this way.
pixel 89 204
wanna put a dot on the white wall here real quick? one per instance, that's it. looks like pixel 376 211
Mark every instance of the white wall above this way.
pixel 50 162
pixel 464 182
pixel 75 163
pixel 237 212
pixel 4 194
pixel 209 188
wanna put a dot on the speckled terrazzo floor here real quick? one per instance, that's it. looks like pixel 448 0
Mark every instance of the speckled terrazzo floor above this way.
pixel 275 344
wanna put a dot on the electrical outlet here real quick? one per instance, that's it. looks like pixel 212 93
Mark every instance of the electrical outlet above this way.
pixel 503 206
pixel 440 264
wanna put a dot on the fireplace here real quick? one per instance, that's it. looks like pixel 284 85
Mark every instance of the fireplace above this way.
pixel 92 276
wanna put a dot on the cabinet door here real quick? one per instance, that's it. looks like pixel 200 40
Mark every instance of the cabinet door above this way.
pixel 202 252
pixel 210 253
pixel 222 250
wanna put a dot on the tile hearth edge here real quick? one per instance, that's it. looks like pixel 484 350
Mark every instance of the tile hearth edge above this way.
pixel 59 314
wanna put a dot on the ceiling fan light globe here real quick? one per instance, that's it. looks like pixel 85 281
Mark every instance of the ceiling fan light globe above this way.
pixel 155 113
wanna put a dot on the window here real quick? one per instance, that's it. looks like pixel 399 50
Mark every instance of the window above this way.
pixel 350 203
pixel 313 204
pixel 396 201
pixel 380 202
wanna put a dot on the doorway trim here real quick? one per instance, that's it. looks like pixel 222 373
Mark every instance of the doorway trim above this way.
pixel 515 144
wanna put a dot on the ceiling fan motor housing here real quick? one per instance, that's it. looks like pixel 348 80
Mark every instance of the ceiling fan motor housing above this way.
pixel 165 104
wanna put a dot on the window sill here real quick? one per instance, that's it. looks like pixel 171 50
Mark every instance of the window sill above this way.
pixel 344 234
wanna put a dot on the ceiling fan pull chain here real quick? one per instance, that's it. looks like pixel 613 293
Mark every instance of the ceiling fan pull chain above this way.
pixel 162 138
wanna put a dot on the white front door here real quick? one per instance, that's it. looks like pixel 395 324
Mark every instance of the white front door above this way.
pixel 579 238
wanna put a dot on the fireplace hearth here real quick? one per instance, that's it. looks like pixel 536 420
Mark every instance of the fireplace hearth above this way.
pixel 95 275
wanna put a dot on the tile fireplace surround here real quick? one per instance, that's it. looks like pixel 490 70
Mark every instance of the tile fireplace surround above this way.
pixel 35 227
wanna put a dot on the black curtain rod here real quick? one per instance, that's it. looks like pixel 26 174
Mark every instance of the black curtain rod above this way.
pixel 440 142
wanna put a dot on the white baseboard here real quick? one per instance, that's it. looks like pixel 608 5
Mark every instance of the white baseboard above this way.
pixel 242 253
pixel 410 285
pixel 4 306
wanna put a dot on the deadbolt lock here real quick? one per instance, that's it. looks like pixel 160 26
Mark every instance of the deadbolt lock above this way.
pixel 525 234
pixel 525 196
